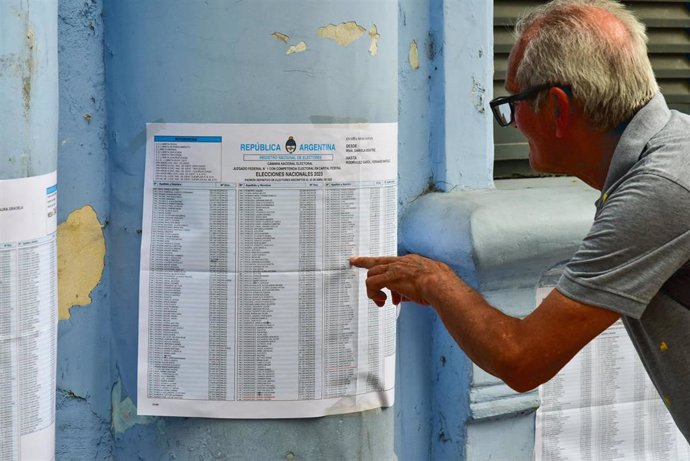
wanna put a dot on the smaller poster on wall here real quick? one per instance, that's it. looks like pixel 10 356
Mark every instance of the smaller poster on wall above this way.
pixel 28 317
pixel 602 404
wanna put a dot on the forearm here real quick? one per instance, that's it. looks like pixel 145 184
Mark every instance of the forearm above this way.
pixel 523 352
pixel 491 339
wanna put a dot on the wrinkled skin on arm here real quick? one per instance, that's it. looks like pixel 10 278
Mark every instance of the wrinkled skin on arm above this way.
pixel 523 352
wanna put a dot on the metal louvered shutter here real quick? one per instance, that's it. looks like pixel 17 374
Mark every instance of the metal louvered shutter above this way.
pixel 668 28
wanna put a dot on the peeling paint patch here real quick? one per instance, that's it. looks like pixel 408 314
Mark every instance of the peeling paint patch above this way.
pixel 280 36
pixel 478 92
pixel 125 412
pixel 374 36
pixel 31 39
pixel 25 160
pixel 81 433
pixel 343 33
pixel 28 71
pixel 300 47
pixel 81 253
pixel 413 56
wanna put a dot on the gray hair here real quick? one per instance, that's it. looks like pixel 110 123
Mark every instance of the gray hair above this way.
pixel 606 68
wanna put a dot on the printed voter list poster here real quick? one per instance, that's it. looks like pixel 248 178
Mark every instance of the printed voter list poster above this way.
pixel 28 305
pixel 602 405
pixel 248 306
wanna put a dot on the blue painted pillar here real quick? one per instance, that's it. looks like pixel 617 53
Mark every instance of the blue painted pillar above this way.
pixel 500 241
pixel 445 144
pixel 28 250
pixel 84 369
pixel 461 139
pixel 232 62
pixel 29 83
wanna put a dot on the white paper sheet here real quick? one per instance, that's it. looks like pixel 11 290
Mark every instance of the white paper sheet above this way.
pixel 28 317
pixel 603 406
pixel 248 307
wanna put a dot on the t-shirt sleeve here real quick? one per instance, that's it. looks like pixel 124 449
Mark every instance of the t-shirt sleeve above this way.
pixel 640 237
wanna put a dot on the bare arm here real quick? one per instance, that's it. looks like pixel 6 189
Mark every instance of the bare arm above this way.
pixel 523 352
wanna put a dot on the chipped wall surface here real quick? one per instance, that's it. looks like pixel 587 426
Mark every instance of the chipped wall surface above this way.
pixel 82 435
pixel 374 37
pixel 84 366
pixel 231 64
pixel 280 36
pixel 465 162
pixel 124 414
pixel 416 114
pixel 299 48
pixel 29 100
pixel 413 56
pixel 81 259
pixel 343 33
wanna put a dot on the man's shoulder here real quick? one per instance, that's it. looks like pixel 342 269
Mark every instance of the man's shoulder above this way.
pixel 667 154
pixel 677 125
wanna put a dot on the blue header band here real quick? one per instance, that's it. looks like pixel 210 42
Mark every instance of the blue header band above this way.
pixel 51 189
pixel 187 138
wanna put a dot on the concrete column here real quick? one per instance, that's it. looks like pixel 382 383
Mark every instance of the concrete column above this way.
pixel 461 138
pixel 28 260
pixel 28 88
pixel 256 61
pixel 500 241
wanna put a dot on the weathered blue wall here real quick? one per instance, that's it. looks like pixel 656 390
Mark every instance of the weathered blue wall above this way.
pixel 215 61
pixel 445 144
pixel 416 116
pixel 28 97
pixel 84 368
pixel 501 241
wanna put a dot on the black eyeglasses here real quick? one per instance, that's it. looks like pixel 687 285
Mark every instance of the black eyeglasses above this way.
pixel 503 107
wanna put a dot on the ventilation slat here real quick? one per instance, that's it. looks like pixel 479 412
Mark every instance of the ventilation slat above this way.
pixel 668 29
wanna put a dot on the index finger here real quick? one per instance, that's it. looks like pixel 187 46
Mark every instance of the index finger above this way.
pixel 367 262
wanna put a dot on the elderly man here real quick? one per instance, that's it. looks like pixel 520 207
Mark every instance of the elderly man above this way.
pixel 585 97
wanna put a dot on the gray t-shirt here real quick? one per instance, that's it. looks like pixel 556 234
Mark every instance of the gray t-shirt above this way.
pixel 639 240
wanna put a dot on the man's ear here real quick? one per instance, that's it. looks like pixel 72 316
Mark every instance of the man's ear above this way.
pixel 561 110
